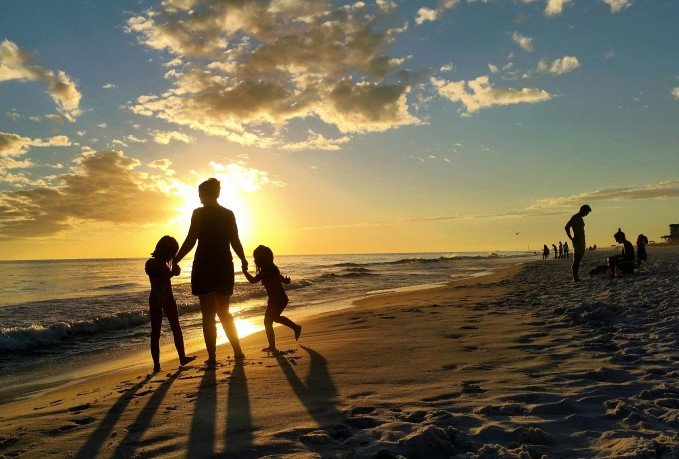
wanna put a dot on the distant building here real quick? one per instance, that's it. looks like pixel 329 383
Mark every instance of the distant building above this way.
pixel 673 237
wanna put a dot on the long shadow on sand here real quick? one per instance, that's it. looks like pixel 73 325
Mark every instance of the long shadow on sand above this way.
pixel 202 435
pixel 103 430
pixel 238 433
pixel 317 393
pixel 136 430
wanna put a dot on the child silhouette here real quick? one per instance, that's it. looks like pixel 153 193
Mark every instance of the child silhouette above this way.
pixel 160 270
pixel 268 274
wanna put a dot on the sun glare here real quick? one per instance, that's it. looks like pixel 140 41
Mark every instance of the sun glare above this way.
pixel 245 328
pixel 231 197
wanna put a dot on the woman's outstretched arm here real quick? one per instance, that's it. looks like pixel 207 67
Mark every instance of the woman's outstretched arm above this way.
pixel 190 240
pixel 237 246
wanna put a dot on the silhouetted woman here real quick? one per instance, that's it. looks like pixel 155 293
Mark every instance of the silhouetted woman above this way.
pixel 545 252
pixel 212 275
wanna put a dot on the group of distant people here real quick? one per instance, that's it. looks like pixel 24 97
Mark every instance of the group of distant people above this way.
pixel 563 251
pixel 624 263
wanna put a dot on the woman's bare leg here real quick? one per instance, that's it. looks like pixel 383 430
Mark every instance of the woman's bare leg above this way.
pixel 222 307
pixel 207 309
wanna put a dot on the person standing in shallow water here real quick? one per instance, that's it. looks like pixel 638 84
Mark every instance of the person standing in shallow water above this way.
pixel 214 228
pixel 577 224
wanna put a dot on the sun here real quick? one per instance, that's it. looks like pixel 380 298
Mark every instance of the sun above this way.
pixel 231 197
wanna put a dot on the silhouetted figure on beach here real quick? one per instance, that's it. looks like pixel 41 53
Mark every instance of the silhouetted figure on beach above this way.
pixel 556 251
pixel 622 263
pixel 577 224
pixel 160 269
pixel 566 253
pixel 560 250
pixel 642 242
pixel 268 274
pixel 545 252
pixel 212 275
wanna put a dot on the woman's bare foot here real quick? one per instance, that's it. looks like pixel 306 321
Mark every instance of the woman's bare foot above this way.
pixel 156 367
pixel 269 349
pixel 238 355
pixel 186 360
pixel 298 331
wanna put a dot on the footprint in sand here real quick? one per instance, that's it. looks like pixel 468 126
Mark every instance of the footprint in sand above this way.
pixel 469 327
pixel 454 336
pixel 470 348
pixel 472 387
pixel 438 398
pixel 79 408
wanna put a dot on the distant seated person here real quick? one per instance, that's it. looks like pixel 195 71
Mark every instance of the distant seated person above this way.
pixel 622 264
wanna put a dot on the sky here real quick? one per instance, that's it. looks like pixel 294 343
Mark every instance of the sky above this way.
pixel 336 127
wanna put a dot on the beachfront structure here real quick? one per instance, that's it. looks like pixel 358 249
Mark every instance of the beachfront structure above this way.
pixel 673 237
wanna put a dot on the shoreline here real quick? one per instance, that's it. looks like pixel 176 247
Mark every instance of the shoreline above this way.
pixel 519 363
pixel 193 345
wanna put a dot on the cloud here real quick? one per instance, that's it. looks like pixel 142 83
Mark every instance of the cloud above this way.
pixel 555 7
pixel 316 141
pixel 447 68
pixel 109 86
pixel 492 68
pixel 618 5
pixel 425 14
pixel 239 176
pixel 438 218
pixel 14 144
pixel 104 188
pixel 165 137
pixel 560 66
pixel 16 64
pixel 675 92
pixel 479 93
pixel 249 68
pixel 525 42
pixel 660 190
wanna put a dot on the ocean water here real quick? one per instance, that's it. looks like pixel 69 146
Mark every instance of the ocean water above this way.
pixel 55 314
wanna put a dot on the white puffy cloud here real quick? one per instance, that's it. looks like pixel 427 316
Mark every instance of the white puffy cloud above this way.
pixel 675 92
pixel 165 137
pixel 14 144
pixel 555 7
pixel 16 64
pixel 239 176
pixel 492 68
pixel 559 66
pixel 479 93
pixel 618 5
pixel 109 86
pixel 425 14
pixel 525 42
pixel 249 68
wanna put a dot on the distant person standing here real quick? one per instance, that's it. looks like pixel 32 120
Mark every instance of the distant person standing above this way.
pixel 560 250
pixel 565 250
pixel 545 252
pixel 642 242
pixel 556 251
pixel 577 224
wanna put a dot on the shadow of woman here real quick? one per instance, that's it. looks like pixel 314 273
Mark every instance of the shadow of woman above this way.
pixel 202 434
pixel 238 433
pixel 103 430
pixel 143 420
pixel 318 393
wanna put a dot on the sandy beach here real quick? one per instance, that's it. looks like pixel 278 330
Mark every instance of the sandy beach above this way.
pixel 520 363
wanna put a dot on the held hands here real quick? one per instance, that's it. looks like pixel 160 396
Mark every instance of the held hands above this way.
pixel 244 266
pixel 176 270
pixel 286 280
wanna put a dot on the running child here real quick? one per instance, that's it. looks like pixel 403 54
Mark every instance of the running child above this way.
pixel 160 269
pixel 268 274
